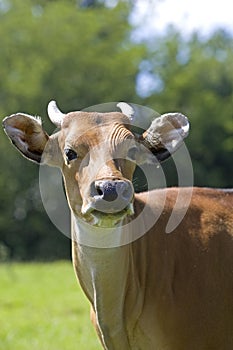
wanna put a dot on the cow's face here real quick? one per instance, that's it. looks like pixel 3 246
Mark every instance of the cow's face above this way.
pixel 97 153
pixel 96 150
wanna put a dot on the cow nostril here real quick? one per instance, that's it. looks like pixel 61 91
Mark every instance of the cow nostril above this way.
pixel 111 196
pixel 124 190
pixel 106 190
pixel 127 193
pixel 109 192
pixel 99 191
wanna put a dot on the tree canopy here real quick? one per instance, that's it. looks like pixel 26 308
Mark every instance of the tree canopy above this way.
pixel 195 76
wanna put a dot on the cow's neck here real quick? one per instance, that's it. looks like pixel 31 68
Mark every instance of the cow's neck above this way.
pixel 105 274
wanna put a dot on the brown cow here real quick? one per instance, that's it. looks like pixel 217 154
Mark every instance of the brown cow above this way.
pixel 148 290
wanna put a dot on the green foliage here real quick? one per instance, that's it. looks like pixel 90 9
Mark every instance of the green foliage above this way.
pixel 196 76
pixel 54 50
pixel 59 51
pixel 43 307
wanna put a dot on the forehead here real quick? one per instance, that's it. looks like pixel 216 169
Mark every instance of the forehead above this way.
pixel 78 124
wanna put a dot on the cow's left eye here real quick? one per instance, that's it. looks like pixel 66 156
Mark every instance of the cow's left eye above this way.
pixel 70 155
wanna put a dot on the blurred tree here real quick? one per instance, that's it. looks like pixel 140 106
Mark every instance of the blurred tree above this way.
pixel 195 76
pixel 54 50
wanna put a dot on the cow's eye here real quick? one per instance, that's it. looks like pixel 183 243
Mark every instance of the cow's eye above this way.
pixel 132 153
pixel 70 155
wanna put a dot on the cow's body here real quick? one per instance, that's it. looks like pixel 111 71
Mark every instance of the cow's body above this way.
pixel 157 292
pixel 167 291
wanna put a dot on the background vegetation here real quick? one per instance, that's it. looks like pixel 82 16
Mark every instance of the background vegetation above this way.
pixel 83 53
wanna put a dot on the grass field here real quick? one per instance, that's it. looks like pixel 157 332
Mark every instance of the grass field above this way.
pixel 43 308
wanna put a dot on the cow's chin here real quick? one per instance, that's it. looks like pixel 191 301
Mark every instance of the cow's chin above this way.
pixel 109 220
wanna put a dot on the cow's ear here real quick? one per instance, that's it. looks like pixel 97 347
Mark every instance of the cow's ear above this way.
pixel 26 134
pixel 165 134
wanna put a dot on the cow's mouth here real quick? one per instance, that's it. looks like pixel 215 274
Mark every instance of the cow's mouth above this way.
pixel 107 219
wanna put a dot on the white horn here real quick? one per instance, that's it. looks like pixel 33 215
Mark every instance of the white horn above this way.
pixel 139 116
pixel 126 109
pixel 55 115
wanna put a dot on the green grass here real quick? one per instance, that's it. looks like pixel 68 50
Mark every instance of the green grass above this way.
pixel 42 307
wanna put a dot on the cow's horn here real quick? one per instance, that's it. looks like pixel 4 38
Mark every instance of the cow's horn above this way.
pixel 126 109
pixel 139 116
pixel 55 115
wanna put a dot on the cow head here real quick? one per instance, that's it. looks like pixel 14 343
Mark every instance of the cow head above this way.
pixel 97 153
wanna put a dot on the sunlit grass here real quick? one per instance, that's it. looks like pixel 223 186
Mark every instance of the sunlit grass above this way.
pixel 43 308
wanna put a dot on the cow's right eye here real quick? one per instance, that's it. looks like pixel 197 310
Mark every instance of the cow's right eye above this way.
pixel 70 155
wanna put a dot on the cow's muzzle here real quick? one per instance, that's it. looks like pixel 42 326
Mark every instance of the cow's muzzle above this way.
pixel 109 196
